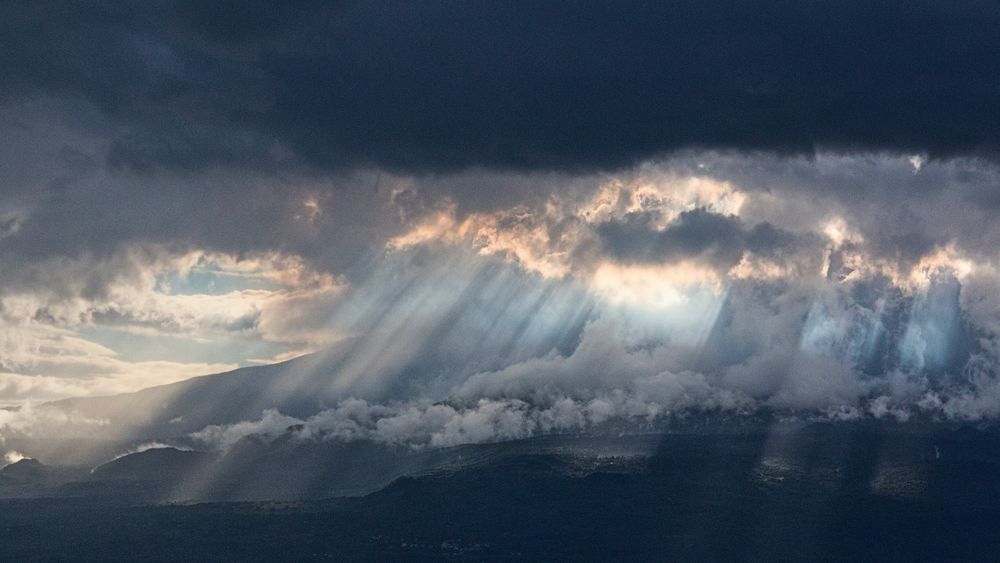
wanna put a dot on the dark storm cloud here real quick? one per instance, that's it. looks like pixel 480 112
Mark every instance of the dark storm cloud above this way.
pixel 571 86
pixel 699 234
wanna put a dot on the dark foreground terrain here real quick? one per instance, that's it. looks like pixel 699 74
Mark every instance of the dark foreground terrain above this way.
pixel 813 492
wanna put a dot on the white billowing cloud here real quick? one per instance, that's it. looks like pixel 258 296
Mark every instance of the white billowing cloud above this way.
pixel 608 359
pixel 271 423
pixel 13 456
pixel 417 424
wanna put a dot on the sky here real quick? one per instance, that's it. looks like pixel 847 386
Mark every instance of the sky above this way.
pixel 586 210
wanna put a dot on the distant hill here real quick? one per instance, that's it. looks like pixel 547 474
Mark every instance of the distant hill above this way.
pixel 156 464
pixel 26 470
pixel 187 406
pixel 31 473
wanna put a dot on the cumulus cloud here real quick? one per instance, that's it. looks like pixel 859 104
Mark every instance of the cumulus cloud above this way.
pixel 422 424
pixel 270 424
pixel 743 218
pixel 148 293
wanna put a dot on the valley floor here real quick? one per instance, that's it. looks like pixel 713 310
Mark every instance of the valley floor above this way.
pixel 820 494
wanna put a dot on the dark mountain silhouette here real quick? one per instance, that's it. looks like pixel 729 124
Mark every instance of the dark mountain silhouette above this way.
pixel 26 470
pixel 29 476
